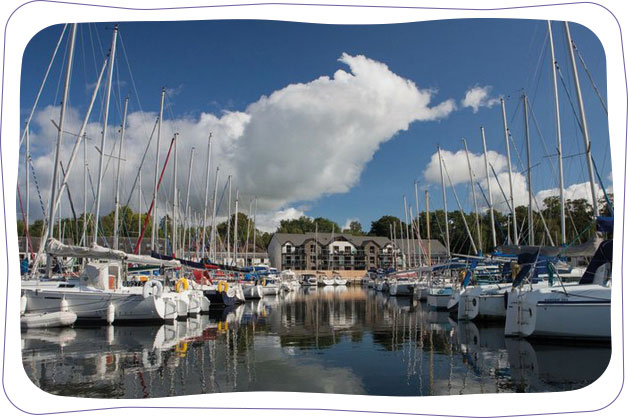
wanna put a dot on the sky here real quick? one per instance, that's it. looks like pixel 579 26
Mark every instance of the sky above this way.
pixel 336 121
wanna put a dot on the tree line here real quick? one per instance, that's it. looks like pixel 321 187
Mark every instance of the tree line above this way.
pixel 579 227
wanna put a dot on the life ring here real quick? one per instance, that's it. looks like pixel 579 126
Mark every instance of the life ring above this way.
pixel 181 283
pixel 153 288
pixel 462 274
pixel 143 278
pixel 264 282
pixel 223 286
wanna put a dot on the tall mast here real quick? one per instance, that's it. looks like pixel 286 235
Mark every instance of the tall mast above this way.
pixel 427 226
pixel 187 201
pixel 464 219
pixel 475 202
pixel 255 232
pixel 559 146
pixel 512 199
pixel 490 195
pixel 154 203
pixel 527 130
pixel 212 237
pixel 248 232
pixel 418 219
pixel 139 203
pixel 175 199
pixel 442 183
pixel 84 236
pixel 53 188
pixel 413 242
pixel 229 222
pixel 405 210
pixel 583 120
pixel 116 214
pixel 209 154
pixel 235 230
pixel 103 140
pixel 27 191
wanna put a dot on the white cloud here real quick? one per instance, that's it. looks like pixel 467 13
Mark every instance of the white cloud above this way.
pixel 297 144
pixel 269 221
pixel 573 192
pixel 477 97
pixel 458 167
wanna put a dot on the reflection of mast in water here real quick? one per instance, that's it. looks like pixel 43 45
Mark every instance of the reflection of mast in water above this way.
pixel 431 362
pixel 451 361
pixel 234 358
pixel 212 367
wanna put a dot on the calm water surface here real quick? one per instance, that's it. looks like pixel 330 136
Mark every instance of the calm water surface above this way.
pixel 338 340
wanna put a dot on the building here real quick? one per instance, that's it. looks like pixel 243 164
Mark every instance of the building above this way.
pixel 326 251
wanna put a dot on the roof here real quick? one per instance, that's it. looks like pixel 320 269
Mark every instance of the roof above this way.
pixel 324 238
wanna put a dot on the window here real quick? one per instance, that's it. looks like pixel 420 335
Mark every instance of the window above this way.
pixel 372 250
pixel 336 249
pixel 372 260
pixel 312 248
pixel 347 249
pixel 288 248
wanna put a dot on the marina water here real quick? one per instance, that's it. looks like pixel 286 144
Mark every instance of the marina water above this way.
pixel 344 340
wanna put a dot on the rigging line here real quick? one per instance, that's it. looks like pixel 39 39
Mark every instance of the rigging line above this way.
pixel 137 97
pixel 41 200
pixel 150 138
pixel 586 70
pixel 573 108
pixel 542 138
pixel 41 88
pixel 537 75
pixel 65 54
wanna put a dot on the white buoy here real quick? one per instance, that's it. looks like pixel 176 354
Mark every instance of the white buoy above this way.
pixel 111 313
pixel 23 301
pixel 64 306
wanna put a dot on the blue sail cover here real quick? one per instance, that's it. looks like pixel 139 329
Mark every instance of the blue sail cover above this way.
pixel 526 261
pixel 605 223
pixel 603 255
pixel 467 276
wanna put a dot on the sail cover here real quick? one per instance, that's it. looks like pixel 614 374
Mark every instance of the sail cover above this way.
pixel 586 249
pixel 57 248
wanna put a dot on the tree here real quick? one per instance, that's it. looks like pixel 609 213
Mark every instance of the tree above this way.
pixel 382 226
pixel 355 228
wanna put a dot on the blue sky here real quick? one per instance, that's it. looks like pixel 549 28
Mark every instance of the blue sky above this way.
pixel 225 67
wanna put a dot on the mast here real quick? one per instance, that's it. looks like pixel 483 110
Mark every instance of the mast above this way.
pixel 209 154
pixel 418 220
pixel 559 147
pixel 427 225
pixel 84 236
pixel 212 237
pixel 527 130
pixel 583 120
pixel 116 214
pixel 175 200
pixel 27 191
pixel 442 183
pixel 405 210
pixel 490 195
pixel 103 140
pixel 187 201
pixel 475 202
pixel 235 229
pixel 464 219
pixel 248 232
pixel 154 203
pixel 53 188
pixel 255 232
pixel 512 199
pixel 139 203
pixel 229 222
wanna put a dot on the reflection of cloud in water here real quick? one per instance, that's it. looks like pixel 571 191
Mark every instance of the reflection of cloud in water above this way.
pixel 298 374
